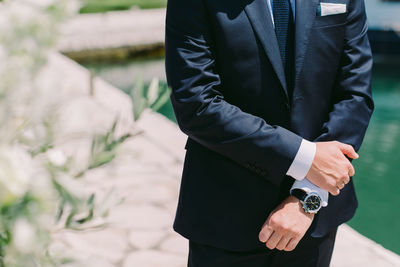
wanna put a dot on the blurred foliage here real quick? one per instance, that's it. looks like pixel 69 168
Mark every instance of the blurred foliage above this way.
pixel 103 148
pixel 154 96
pixel 40 166
pixel 167 109
pixel 94 6
pixel 40 192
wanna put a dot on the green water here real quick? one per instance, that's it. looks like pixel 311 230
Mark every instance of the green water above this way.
pixel 378 169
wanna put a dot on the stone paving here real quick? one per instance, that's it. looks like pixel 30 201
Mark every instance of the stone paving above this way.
pixel 147 170
pixel 144 176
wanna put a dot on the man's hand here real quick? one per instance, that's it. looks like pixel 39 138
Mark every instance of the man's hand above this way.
pixel 331 170
pixel 286 225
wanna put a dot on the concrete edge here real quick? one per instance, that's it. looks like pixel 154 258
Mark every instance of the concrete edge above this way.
pixel 389 255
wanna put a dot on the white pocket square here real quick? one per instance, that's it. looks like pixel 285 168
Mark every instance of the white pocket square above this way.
pixel 332 9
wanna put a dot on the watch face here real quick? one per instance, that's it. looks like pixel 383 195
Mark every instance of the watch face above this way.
pixel 312 203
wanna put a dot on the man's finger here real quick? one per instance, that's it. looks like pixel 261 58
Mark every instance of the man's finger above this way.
pixel 265 234
pixel 351 171
pixel 340 185
pixel 292 244
pixel 273 240
pixel 283 242
pixel 334 190
pixel 348 150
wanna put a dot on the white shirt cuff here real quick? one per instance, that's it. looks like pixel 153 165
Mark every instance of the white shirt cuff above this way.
pixel 303 160
pixel 309 187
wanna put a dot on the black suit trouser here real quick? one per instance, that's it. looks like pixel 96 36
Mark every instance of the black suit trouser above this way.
pixel 310 252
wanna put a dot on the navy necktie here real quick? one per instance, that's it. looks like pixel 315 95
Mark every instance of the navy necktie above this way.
pixel 284 30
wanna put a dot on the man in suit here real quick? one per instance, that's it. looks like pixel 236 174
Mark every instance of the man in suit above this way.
pixel 275 98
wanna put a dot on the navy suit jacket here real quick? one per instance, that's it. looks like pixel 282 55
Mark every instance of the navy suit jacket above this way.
pixel 230 97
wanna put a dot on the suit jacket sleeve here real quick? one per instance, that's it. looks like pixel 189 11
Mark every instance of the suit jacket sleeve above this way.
pixel 353 104
pixel 200 108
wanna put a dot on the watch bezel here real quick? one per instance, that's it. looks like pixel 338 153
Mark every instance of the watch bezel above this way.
pixel 306 208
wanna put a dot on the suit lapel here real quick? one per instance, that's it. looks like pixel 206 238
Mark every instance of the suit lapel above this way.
pixel 305 15
pixel 259 15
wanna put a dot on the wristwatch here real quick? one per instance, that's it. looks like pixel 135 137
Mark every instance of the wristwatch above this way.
pixel 311 202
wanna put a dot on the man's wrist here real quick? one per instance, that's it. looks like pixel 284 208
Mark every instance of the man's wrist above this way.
pixel 309 187
pixel 293 199
pixel 311 202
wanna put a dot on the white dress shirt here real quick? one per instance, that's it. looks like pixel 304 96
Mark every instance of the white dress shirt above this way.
pixel 300 167
pixel 305 155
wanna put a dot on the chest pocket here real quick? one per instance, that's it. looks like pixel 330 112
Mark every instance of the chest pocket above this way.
pixel 329 20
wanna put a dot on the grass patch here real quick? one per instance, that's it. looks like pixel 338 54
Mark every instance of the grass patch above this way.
pixel 98 6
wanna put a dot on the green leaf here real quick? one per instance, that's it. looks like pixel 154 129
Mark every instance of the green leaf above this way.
pixel 102 159
pixel 162 99
pixel 138 100
pixel 60 210
pixel 90 204
pixel 115 143
pixel 153 91
pixel 67 197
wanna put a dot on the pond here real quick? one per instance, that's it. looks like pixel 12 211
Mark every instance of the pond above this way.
pixel 378 169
